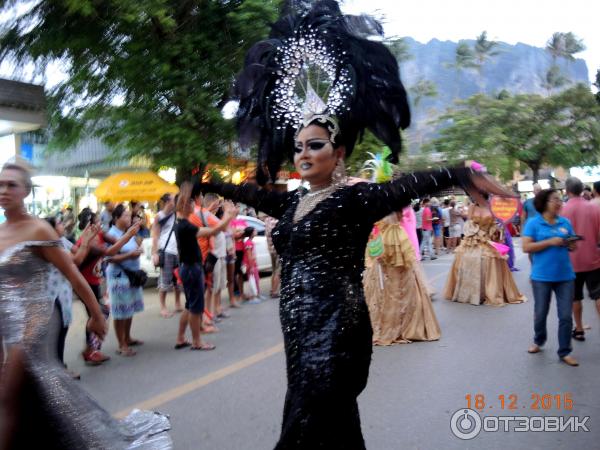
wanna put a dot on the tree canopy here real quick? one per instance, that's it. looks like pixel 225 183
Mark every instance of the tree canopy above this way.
pixel 150 77
pixel 597 84
pixel 506 131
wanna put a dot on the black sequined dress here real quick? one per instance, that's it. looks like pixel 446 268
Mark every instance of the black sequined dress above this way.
pixel 324 316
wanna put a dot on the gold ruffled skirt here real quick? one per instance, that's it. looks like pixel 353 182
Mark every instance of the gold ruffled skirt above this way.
pixel 479 275
pixel 397 295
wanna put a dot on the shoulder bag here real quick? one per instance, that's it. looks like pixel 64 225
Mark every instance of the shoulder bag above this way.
pixel 137 278
pixel 211 259
pixel 161 252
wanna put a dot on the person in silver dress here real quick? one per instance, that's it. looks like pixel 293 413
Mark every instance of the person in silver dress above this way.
pixel 38 398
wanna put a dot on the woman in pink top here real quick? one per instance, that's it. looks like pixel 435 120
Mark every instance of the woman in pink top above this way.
pixel 427 242
pixel 251 265
pixel 237 227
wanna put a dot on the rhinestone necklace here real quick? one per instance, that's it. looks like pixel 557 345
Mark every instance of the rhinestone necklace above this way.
pixel 311 199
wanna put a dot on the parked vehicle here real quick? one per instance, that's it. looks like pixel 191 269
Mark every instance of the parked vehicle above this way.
pixel 263 256
pixel 147 264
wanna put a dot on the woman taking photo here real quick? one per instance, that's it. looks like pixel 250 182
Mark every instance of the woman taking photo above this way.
pixel 322 232
pixel 190 265
pixel 546 239
pixel 91 269
pixel 125 300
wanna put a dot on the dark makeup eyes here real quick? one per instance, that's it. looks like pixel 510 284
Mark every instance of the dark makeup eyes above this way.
pixel 313 145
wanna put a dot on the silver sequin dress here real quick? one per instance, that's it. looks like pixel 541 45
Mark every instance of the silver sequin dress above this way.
pixel 324 317
pixel 53 408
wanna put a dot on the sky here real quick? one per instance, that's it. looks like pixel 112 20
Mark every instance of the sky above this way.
pixel 528 21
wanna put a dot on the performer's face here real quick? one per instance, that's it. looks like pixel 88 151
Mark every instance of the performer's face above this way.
pixel 314 155
pixel 13 189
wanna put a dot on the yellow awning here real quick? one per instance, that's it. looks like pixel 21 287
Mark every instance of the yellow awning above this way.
pixel 137 186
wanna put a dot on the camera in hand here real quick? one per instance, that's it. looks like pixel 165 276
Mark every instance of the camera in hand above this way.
pixel 574 238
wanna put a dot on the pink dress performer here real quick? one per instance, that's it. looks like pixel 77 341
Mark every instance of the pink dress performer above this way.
pixel 409 223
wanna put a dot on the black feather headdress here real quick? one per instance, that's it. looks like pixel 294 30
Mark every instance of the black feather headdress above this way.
pixel 319 66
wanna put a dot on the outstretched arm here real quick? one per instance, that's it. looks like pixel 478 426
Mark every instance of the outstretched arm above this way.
pixel 63 262
pixel 379 200
pixel 271 203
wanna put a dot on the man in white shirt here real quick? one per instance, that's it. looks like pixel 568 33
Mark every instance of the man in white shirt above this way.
pixel 163 239
pixel 218 247
pixel 106 216
pixel 446 222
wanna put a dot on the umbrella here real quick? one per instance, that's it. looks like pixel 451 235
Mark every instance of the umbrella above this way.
pixel 137 186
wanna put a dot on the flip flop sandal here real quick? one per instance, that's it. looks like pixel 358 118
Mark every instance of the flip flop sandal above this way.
pixel 209 330
pixel 127 353
pixel 205 347
pixel 578 335
pixel 182 345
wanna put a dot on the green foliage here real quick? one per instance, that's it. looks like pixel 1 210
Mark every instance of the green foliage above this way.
pixel 399 49
pixel 422 89
pixel 361 153
pixel 150 77
pixel 370 145
pixel 484 49
pixel 597 84
pixel 564 45
pixel 554 79
pixel 560 45
pixel 507 132
pixel 464 57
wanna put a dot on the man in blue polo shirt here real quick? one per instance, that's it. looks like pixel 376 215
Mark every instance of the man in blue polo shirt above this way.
pixel 529 211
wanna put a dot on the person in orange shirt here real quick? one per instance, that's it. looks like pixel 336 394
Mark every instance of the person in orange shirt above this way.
pixel 203 218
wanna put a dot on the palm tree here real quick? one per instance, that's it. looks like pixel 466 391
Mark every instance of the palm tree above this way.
pixel 556 46
pixel 399 49
pixel 421 90
pixel 464 58
pixel 484 50
pixel 564 45
pixel 597 84
pixel 561 45
pixel 554 79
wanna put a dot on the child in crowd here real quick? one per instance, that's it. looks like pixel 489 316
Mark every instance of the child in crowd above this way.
pixel 251 265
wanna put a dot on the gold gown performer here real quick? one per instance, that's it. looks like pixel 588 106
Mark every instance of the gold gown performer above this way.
pixel 399 302
pixel 480 274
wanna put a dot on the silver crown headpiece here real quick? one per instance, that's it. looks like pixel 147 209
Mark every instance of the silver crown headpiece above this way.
pixel 312 84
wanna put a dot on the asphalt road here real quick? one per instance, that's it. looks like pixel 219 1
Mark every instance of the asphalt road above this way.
pixel 232 398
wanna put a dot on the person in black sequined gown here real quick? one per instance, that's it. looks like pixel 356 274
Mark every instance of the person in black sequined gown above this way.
pixel 309 92
pixel 324 316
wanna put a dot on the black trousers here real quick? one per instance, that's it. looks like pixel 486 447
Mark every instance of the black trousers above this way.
pixel 62 336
